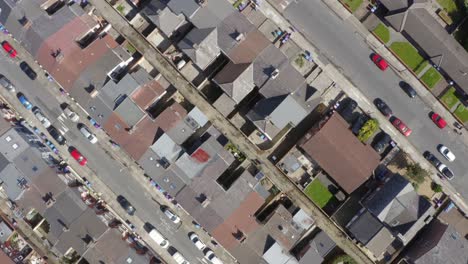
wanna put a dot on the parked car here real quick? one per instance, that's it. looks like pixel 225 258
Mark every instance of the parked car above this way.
pixel 384 140
pixel 9 49
pixel 408 89
pixel 87 133
pixel 446 153
pixel 28 70
pixel 126 205
pixel 40 116
pixel 209 255
pixel 379 61
pixel 446 171
pixel 7 84
pixel 159 238
pixel 196 241
pixel 174 218
pixel 179 259
pixel 70 114
pixel 432 159
pixel 348 108
pixel 57 135
pixel 78 157
pixel 24 101
pixel 402 127
pixel 358 123
pixel 383 107
pixel 438 120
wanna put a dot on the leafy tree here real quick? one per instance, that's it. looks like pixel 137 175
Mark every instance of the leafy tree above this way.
pixel 368 129
pixel 416 173
pixel 436 187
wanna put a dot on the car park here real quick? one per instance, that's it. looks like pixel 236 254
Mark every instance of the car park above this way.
pixel 432 159
pixel 209 255
pixel 55 133
pixel 409 90
pixel 196 241
pixel 28 70
pixel 446 171
pixel 348 108
pixel 446 152
pixel 79 157
pixel 24 101
pixel 383 107
pixel 379 61
pixel 84 130
pixel 358 123
pixel 70 114
pixel 158 238
pixel 9 49
pixel 41 117
pixel 438 120
pixel 402 127
pixel 383 141
pixel 7 84
pixel 173 217
pixel 126 205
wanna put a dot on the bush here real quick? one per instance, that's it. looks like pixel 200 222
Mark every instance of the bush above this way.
pixel 299 61
pixel 436 187
pixel 368 129
pixel 416 173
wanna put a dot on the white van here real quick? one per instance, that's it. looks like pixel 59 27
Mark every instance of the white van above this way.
pixel 158 238
pixel 179 258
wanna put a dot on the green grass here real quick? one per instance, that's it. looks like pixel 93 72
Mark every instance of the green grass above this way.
pixel 462 113
pixel 121 9
pixel 318 193
pixel 454 11
pixel 382 32
pixel 352 4
pixel 408 54
pixel 431 77
pixel 421 67
pixel 449 98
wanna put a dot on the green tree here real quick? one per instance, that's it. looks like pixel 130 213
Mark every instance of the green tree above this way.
pixel 416 173
pixel 436 187
pixel 368 129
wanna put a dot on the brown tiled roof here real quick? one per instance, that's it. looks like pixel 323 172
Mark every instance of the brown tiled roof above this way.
pixel 249 48
pixel 241 219
pixel 148 94
pixel 348 161
pixel 4 259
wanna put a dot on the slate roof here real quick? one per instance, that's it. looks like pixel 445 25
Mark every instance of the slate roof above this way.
pixel 322 243
pixel 270 58
pixel 166 148
pixel 211 14
pixel 201 45
pixel 248 49
pixel 379 244
pixel 236 80
pixel 334 142
pixel 230 28
pixel 186 7
pixel 130 113
pixel 162 17
pixel 9 178
pixel 282 228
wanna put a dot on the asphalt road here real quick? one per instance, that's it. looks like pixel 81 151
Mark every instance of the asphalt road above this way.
pixel 110 171
pixel 339 43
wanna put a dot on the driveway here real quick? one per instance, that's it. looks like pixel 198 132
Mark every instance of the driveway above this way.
pixel 344 48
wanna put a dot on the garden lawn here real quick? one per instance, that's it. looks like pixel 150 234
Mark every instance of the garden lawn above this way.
pixel 352 4
pixel 462 113
pixel 421 67
pixel 449 98
pixel 382 32
pixel 431 77
pixel 318 193
pixel 408 54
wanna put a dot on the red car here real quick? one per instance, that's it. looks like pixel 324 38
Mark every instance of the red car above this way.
pixel 9 49
pixel 405 130
pixel 380 62
pixel 438 120
pixel 80 158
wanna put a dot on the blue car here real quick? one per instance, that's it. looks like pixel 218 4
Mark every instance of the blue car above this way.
pixel 25 102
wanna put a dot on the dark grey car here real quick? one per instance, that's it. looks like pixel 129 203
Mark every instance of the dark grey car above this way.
pixel 408 89
pixel 126 205
pixel 7 84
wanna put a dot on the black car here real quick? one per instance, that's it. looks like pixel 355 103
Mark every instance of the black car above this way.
pixel 126 205
pixel 432 159
pixel 408 89
pixel 358 123
pixel 447 173
pixel 57 135
pixel 384 140
pixel 28 70
pixel 347 109
pixel 383 107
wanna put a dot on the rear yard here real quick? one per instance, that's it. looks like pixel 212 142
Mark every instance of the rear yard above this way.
pixel 318 193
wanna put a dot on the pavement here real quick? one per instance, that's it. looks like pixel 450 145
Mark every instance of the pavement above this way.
pixel 153 56
pixel 110 172
pixel 341 47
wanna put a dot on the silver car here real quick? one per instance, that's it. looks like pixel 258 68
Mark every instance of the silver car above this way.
pixel 7 84
pixel 87 134
pixel 41 117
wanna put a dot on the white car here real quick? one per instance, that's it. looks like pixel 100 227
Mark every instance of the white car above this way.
pixel 446 153
pixel 70 114
pixel 174 218
pixel 197 242
pixel 209 255
pixel 87 134
pixel 40 116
